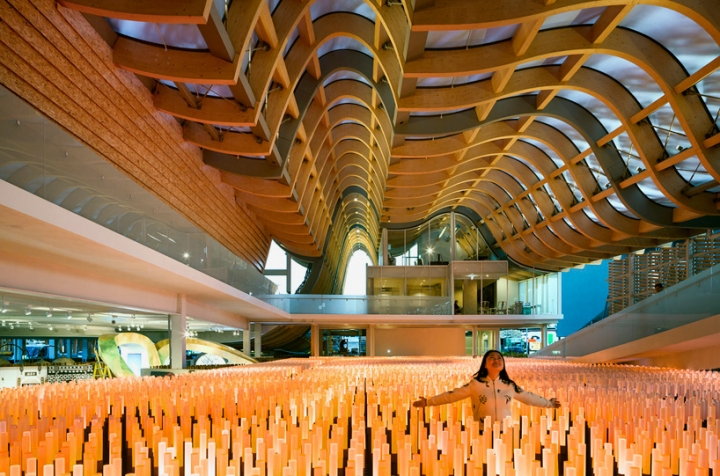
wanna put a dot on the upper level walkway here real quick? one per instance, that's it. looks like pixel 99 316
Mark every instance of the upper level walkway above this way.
pixel 678 327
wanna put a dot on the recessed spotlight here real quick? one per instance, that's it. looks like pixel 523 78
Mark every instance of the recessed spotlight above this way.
pixel 186 255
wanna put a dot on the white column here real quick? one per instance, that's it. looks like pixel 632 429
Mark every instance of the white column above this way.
pixel 258 340
pixel 474 342
pixel 496 339
pixel 246 341
pixel 543 335
pixel 177 334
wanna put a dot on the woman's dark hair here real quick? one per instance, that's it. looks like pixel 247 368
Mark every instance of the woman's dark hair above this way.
pixel 504 377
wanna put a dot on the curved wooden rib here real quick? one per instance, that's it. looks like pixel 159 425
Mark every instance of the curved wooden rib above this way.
pixel 175 65
pixel 159 11
pixel 494 157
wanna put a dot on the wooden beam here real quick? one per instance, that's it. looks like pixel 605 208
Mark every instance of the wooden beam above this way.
pixel 183 104
pixel 216 37
pixel 500 78
pixel 698 76
pixel 483 110
pixel 157 11
pixel 265 28
pixel 525 35
pixel 174 65
pixel 544 97
pixel 609 19
pixel 571 65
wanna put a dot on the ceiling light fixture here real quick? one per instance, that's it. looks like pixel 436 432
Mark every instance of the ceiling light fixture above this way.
pixel 48 314
pixel 28 310
pixel 69 315
pixel 89 317
pixel 4 308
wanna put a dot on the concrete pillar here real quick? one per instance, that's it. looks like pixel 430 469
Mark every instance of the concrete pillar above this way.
pixel 470 303
pixel 474 342
pixel 314 340
pixel 177 326
pixel 246 341
pixel 258 340
pixel 370 341
pixel 543 335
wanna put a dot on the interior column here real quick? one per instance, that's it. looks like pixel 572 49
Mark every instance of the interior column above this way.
pixel 258 341
pixel 246 341
pixel 314 340
pixel 178 323
pixel 370 341
pixel 470 303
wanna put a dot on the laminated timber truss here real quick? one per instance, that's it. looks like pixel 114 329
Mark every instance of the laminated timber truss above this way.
pixel 575 130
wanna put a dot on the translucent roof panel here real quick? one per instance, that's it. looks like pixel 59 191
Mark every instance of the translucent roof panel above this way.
pixel 570 182
pixel 585 16
pixel 345 74
pixel 628 153
pixel 568 130
pixel 434 113
pixel 598 108
pixel 546 150
pixel 647 186
pixel 272 4
pixel 554 60
pixel 291 41
pixel 591 215
pixel 528 165
pixel 710 89
pixel 569 223
pixel 323 7
pixel 615 202
pixel 693 172
pixel 172 35
pixel 653 21
pixel 343 43
pixel 452 81
pixel 438 40
pixel 668 129
pixel 597 171
pixel 216 90
pixel 631 76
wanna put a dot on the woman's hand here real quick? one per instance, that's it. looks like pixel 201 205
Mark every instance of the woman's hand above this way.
pixel 555 402
pixel 422 403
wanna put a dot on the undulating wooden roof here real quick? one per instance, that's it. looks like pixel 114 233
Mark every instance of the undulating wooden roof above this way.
pixel 575 130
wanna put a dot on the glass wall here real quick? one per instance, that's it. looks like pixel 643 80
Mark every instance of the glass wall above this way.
pixel 343 342
pixel 432 242
pixel 475 287
pixel 32 349
pixel 41 158
pixel 539 295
